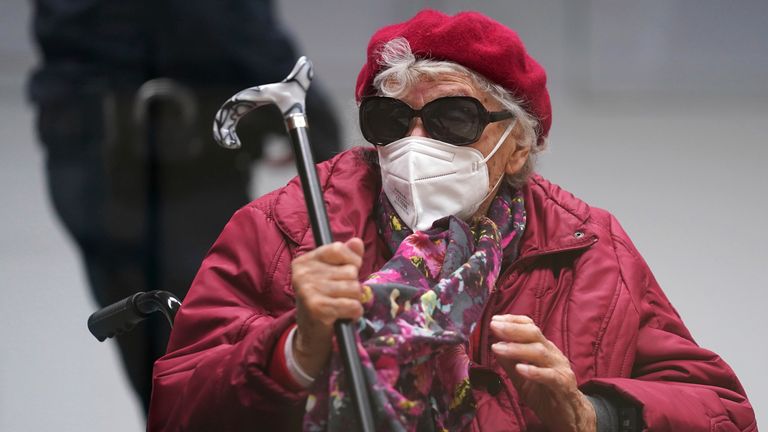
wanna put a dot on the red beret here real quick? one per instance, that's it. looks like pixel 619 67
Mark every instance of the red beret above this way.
pixel 472 40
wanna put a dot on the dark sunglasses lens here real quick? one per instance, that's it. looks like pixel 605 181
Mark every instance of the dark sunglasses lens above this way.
pixel 384 120
pixel 453 120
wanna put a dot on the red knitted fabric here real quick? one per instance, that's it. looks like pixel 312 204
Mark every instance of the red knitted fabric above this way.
pixel 472 40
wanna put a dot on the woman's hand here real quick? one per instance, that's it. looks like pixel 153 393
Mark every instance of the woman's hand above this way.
pixel 327 289
pixel 541 374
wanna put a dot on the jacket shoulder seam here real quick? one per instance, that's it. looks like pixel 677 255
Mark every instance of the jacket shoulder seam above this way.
pixel 277 258
pixel 275 263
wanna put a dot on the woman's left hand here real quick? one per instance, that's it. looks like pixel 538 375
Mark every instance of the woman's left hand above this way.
pixel 541 374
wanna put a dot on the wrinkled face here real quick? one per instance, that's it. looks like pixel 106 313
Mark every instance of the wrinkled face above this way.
pixel 509 159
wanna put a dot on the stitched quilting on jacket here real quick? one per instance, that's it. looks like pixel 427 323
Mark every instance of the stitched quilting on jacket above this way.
pixel 577 275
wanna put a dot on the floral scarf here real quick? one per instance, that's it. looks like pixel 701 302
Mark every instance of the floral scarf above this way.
pixel 420 310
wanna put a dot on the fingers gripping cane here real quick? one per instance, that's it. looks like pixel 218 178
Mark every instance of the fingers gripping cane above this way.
pixel 289 96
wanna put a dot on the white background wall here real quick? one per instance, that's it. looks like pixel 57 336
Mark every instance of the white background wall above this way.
pixel 660 116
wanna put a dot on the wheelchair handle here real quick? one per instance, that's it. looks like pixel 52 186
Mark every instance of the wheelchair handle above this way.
pixel 122 316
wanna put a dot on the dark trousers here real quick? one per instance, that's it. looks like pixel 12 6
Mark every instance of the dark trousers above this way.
pixel 145 195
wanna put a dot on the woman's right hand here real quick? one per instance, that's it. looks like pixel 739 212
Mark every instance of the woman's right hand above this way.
pixel 327 289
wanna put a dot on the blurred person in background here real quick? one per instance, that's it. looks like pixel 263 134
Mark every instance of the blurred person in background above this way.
pixel 486 298
pixel 126 92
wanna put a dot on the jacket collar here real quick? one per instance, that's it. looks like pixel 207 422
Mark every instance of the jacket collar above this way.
pixel 556 220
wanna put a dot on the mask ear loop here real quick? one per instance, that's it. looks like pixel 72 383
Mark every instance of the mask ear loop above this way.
pixel 501 177
pixel 503 138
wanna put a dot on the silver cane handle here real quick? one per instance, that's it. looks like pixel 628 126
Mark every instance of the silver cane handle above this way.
pixel 288 95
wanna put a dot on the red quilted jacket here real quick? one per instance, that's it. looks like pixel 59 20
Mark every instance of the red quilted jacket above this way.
pixel 578 276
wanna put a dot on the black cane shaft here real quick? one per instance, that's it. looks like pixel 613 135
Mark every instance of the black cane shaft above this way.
pixel 313 194
pixel 345 336
pixel 321 230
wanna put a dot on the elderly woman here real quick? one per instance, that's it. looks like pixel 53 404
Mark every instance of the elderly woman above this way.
pixel 490 298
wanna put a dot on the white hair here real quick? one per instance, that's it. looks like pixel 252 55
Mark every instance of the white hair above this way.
pixel 401 70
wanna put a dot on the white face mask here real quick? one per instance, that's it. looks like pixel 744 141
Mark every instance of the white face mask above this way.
pixel 426 179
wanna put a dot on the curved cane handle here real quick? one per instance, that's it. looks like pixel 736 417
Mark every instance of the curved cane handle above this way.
pixel 289 96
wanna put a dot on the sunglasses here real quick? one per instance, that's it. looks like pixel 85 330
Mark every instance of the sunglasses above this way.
pixel 457 120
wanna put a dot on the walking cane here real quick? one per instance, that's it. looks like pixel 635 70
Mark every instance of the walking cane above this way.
pixel 289 96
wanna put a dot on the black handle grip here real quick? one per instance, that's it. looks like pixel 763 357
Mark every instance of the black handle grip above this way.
pixel 121 317
pixel 116 318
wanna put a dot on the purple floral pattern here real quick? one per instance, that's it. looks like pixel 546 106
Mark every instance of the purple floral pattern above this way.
pixel 420 310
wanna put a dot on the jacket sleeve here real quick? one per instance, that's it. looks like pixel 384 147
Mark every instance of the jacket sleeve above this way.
pixel 214 376
pixel 678 385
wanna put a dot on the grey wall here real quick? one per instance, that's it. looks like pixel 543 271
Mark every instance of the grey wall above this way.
pixel 660 112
